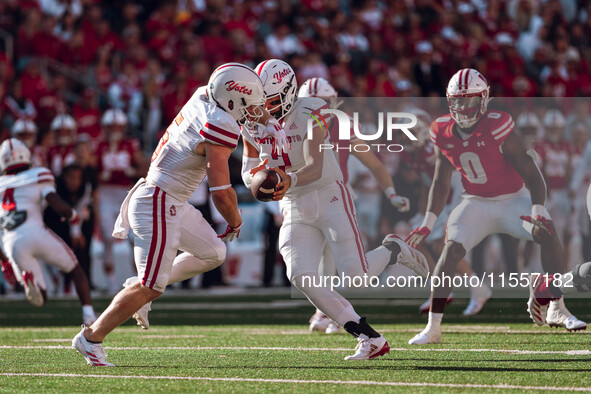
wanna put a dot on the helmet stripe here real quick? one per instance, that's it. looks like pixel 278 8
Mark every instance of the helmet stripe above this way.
pixel 262 66
pixel 466 78
pixel 234 65
pixel 315 86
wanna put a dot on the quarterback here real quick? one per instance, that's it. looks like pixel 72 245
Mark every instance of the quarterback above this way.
pixel 317 207
pixel 504 193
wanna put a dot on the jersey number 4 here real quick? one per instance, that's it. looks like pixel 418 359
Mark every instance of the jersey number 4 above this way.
pixel 285 156
pixel 473 168
pixel 8 203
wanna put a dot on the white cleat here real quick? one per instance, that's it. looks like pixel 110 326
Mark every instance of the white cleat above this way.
pixel 427 336
pixel 333 328
pixel 93 352
pixel 141 316
pixel 32 292
pixel 369 348
pixel 559 316
pixel 479 298
pixel 319 322
pixel 409 257
pixel 537 306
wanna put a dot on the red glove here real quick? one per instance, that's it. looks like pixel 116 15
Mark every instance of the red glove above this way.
pixel 8 273
pixel 231 233
pixel 537 218
pixel 417 236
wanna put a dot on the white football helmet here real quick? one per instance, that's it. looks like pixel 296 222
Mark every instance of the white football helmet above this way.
pixel 26 131
pixel 468 97
pixel 321 88
pixel 554 123
pixel 114 117
pixel 65 128
pixel 13 153
pixel 527 120
pixel 280 85
pixel 235 87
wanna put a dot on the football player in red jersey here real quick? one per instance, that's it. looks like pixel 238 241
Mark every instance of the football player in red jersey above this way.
pixel 61 154
pixel 494 166
pixel 555 162
pixel 120 162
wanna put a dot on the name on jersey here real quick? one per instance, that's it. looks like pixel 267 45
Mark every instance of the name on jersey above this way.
pixel 271 140
pixel 231 85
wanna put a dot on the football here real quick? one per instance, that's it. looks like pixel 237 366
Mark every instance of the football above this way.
pixel 263 184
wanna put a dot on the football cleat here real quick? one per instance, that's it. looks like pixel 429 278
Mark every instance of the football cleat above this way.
pixel 408 256
pixel 369 348
pixel 559 316
pixel 428 336
pixel 426 306
pixel 537 305
pixel 319 322
pixel 32 292
pixel 141 316
pixel 93 352
pixel 480 296
pixel 333 328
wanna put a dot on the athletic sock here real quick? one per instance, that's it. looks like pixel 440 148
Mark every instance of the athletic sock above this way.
pixel 87 310
pixel 434 320
pixel 362 327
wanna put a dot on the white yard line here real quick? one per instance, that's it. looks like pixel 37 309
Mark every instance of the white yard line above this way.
pixel 582 352
pixel 301 381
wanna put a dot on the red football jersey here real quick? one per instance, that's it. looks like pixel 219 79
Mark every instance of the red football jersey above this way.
pixel 485 171
pixel 555 158
pixel 59 157
pixel 114 161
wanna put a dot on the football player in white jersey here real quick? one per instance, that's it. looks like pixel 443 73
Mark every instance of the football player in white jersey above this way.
pixel 317 207
pixel 321 88
pixel 25 239
pixel 197 143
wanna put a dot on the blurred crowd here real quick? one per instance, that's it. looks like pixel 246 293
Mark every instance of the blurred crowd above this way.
pixel 95 83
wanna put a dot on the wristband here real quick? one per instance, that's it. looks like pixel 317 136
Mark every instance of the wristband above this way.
pixel 538 210
pixel 213 189
pixel 429 221
pixel 390 192
pixel 294 178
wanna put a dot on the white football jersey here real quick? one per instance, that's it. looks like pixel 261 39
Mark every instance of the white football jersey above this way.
pixel 295 124
pixel 176 168
pixel 25 192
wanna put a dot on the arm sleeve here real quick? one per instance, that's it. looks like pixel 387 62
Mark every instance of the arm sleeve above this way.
pixel 46 183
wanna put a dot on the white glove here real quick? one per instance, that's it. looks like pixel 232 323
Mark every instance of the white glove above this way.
pixel 273 129
pixel 399 202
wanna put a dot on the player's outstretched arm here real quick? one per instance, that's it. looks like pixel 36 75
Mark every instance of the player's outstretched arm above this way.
pixel 310 172
pixel 379 171
pixel 218 175
pixel 437 199
pixel 61 207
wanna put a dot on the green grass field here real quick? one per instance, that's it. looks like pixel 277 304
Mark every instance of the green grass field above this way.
pixel 261 343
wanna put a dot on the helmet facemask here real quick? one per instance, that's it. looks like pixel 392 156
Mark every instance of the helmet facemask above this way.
pixel 282 102
pixel 467 109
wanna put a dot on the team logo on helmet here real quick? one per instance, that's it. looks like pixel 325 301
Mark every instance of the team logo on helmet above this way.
pixel 281 74
pixel 231 85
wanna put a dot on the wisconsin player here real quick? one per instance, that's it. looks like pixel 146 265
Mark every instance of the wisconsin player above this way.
pixel 496 174
pixel 61 154
pixel 197 143
pixel 321 88
pixel 25 239
pixel 317 207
